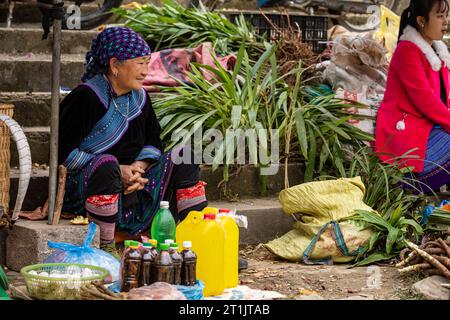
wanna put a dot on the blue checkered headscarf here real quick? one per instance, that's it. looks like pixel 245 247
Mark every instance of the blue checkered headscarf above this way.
pixel 115 42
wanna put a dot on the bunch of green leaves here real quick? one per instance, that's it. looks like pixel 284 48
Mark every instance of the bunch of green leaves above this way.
pixel 389 236
pixel 438 220
pixel 256 96
pixel 173 26
pixel 384 182
pixel 237 99
pixel 386 194
pixel 321 128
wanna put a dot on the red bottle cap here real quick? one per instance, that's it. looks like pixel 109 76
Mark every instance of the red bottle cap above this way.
pixel 224 211
pixel 209 216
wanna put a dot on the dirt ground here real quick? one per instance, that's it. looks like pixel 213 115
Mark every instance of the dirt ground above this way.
pixel 298 281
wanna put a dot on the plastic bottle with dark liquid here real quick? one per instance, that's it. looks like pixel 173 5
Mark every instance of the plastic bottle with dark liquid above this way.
pixel 131 268
pixel 148 259
pixel 177 261
pixel 162 268
pixel 188 268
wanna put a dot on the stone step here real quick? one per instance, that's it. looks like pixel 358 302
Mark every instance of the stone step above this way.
pixel 26 12
pixel 266 219
pixel 244 185
pixel 33 72
pixel 30 109
pixel 39 141
pixel 26 243
pixel 37 104
pixel 23 41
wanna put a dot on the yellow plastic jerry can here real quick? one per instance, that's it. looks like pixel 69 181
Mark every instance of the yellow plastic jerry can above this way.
pixel 231 248
pixel 208 241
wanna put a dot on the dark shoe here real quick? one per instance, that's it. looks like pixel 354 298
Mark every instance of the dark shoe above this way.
pixel 242 264
pixel 111 249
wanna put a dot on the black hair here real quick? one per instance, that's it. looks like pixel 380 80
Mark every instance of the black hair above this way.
pixel 419 8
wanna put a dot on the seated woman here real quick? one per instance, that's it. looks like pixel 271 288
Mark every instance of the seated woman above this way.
pixel 415 114
pixel 110 143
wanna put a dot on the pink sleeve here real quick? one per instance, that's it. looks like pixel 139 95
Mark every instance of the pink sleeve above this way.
pixel 410 70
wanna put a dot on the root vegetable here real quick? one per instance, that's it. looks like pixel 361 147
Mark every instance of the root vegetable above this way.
pixel 431 244
pixel 403 253
pixel 100 287
pixel 434 250
pixel 430 259
pixel 433 272
pixel 416 267
pixel 445 261
pixel 408 260
pixel 92 290
pixel 444 246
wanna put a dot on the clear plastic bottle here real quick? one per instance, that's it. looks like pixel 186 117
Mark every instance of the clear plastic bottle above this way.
pixel 131 268
pixel 163 225
pixel 177 261
pixel 162 268
pixel 189 266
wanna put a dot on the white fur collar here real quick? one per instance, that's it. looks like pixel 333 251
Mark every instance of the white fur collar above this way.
pixel 411 34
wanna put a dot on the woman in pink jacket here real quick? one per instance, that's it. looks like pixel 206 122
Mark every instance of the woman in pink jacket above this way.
pixel 414 117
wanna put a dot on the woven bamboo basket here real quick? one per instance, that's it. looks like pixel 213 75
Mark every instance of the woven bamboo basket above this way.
pixel 5 136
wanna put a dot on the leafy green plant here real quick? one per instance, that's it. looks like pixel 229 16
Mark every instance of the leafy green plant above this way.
pixel 389 235
pixel 321 129
pixel 256 96
pixel 384 182
pixel 231 100
pixel 173 26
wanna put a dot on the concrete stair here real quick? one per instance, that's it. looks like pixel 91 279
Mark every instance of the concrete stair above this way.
pixel 28 11
pixel 32 72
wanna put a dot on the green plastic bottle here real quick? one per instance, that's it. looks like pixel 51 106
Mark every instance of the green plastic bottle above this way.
pixel 163 225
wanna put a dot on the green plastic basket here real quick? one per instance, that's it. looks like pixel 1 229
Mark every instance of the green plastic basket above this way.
pixel 60 288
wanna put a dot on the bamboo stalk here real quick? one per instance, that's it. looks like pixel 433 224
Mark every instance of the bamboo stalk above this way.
pixel 430 259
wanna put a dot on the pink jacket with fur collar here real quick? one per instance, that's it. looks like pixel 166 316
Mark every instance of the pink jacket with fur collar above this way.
pixel 413 95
